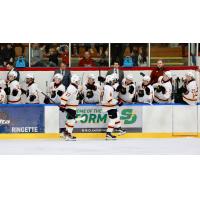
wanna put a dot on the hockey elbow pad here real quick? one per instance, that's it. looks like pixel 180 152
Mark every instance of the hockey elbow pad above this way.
pixel 7 90
pixel 147 90
pixel 14 92
pixel 131 89
pixel 89 94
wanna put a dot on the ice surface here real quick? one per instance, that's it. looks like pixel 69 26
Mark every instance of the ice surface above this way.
pixel 128 146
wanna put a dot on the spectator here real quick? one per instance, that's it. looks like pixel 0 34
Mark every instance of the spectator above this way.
pixel 87 61
pixel 65 55
pixel 10 68
pixel 142 57
pixel 157 72
pixel 53 57
pixel 8 54
pixel 117 71
pixel 36 55
pixel 103 61
pixel 1 56
pixel 66 74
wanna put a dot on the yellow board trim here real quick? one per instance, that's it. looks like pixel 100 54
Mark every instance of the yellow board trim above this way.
pixel 97 135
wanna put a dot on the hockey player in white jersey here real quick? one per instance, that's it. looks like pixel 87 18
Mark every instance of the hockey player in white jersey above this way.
pixel 13 90
pixel 91 90
pixel 69 102
pixel 127 89
pixel 145 91
pixel 190 92
pixel 56 89
pixel 110 104
pixel 163 88
pixel 31 92
pixel 2 96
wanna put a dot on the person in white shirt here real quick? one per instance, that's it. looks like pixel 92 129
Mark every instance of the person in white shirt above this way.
pixel 56 90
pixel 190 92
pixel 31 92
pixel 127 89
pixel 13 90
pixel 109 104
pixel 91 90
pixel 69 103
pixel 145 91
pixel 163 88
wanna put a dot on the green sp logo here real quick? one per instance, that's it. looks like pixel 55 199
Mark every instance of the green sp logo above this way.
pixel 129 116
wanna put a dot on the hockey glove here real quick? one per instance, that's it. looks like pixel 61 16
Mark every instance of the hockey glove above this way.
pixel 62 108
pixel 89 94
pixel 47 100
pixel 53 94
pixel 147 90
pixel 141 93
pixel 7 90
pixel 32 98
pixel 80 96
pixel 131 89
pixel 59 93
pixel 14 92
pixel 101 79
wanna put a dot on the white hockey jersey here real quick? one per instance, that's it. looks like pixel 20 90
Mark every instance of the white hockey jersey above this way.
pixel 14 87
pixel 159 97
pixel 96 94
pixel 56 91
pixel 109 101
pixel 116 93
pixel 32 91
pixel 2 96
pixel 190 97
pixel 130 91
pixel 69 98
pixel 147 98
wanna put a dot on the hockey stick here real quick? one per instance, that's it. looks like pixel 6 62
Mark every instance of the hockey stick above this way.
pixel 76 120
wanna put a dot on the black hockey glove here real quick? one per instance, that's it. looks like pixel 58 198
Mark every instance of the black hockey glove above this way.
pixel 101 79
pixel 23 91
pixel 131 89
pixel 120 103
pixel 183 90
pixel 147 90
pixel 53 94
pixel 91 87
pixel 47 100
pixel 14 92
pixel 32 98
pixel 158 88
pixel 62 108
pixel 89 94
pixel 7 90
pixel 59 93
pixel 80 96
pixel 141 93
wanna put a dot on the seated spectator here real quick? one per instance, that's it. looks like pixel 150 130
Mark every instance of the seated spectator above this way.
pixel 87 61
pixel 10 68
pixel 1 56
pixel 141 58
pixel 53 57
pixel 157 72
pixel 66 74
pixel 8 54
pixel 129 61
pixel 65 55
pixel 36 56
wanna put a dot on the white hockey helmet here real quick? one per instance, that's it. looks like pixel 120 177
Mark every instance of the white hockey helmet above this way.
pixel 58 76
pixel 168 74
pixel 129 77
pixel 109 79
pixel 92 76
pixel 146 78
pixel 190 74
pixel 13 74
pixel 30 76
pixel 75 79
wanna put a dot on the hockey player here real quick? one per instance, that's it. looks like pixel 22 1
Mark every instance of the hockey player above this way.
pixel 2 96
pixel 190 91
pixel 145 91
pixel 91 90
pixel 31 92
pixel 56 89
pixel 12 89
pixel 127 89
pixel 69 102
pixel 163 88
pixel 109 104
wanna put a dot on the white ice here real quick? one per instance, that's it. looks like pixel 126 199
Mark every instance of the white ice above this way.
pixel 128 146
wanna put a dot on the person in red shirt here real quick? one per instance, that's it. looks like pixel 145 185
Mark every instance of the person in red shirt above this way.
pixel 157 72
pixel 65 56
pixel 86 61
